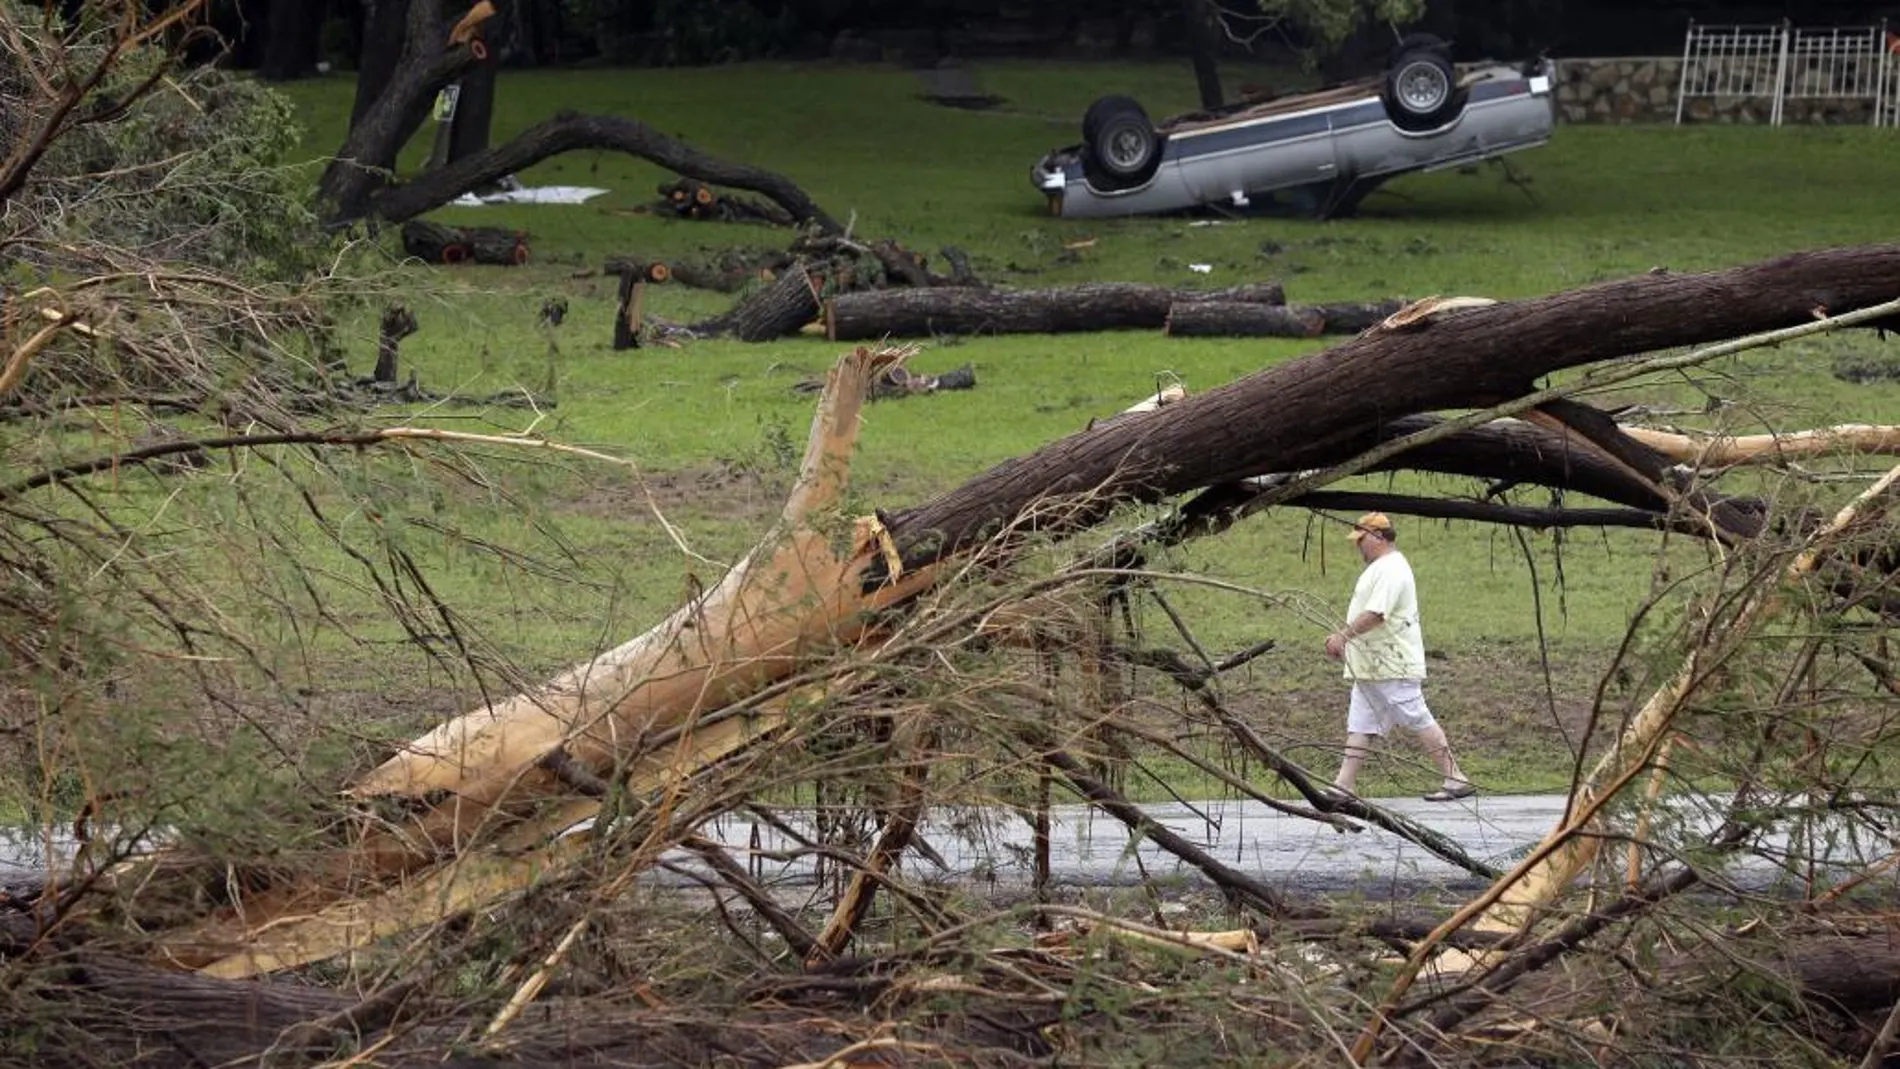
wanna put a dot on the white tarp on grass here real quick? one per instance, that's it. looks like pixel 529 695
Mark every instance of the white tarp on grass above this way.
pixel 530 195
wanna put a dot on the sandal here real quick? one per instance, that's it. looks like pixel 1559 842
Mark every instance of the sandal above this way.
pixel 1452 794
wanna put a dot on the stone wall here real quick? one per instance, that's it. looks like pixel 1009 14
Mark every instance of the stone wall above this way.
pixel 1643 89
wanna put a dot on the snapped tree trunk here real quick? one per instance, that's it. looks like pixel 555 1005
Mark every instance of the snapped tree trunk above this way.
pixel 1090 306
pixel 510 775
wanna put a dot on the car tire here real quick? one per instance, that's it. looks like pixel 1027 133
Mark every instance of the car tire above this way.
pixel 1121 144
pixel 1421 87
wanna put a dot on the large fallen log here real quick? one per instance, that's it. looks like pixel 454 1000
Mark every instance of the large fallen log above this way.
pixel 1309 412
pixel 568 133
pixel 927 312
pixel 1233 319
pixel 775 310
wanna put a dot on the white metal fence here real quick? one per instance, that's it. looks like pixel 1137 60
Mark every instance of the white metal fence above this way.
pixel 1781 63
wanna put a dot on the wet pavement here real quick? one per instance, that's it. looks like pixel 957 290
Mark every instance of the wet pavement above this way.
pixel 993 847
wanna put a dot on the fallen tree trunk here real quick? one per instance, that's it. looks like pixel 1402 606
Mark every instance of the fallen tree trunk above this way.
pixel 1219 319
pixel 929 311
pixel 357 185
pixel 724 272
pixel 1309 412
pixel 94 1010
pixel 570 132
pixel 1235 319
pixel 774 311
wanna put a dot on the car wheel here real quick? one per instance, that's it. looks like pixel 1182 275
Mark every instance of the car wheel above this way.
pixel 1422 84
pixel 1121 140
pixel 1421 88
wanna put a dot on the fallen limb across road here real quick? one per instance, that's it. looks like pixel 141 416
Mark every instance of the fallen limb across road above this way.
pixel 876 655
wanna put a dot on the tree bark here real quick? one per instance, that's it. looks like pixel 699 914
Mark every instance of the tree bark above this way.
pixel 633 289
pixel 367 159
pixel 1200 36
pixel 383 39
pixel 927 312
pixel 1311 411
pixel 774 311
pixel 1230 319
pixel 1233 320
pixel 1510 452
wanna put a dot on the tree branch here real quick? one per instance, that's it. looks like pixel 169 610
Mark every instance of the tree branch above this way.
pixel 569 132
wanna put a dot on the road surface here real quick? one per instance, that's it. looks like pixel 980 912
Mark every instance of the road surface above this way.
pixel 993 847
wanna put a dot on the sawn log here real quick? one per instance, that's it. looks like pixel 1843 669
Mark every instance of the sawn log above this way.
pixel 927 312
pixel 1233 319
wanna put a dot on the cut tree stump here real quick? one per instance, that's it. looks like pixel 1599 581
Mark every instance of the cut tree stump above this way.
pixel 1234 319
pixel 438 244
pixel 926 312
pixel 633 287
pixel 398 323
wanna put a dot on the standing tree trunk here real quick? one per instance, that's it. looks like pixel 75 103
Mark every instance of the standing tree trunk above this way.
pixel 293 39
pixel 1200 38
pixel 383 38
pixel 358 182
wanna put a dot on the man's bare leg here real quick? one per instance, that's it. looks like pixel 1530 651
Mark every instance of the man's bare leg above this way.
pixel 1357 747
pixel 1435 743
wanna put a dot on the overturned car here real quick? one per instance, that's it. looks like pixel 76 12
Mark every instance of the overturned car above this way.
pixel 1318 153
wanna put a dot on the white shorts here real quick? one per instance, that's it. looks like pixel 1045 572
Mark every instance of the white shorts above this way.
pixel 1379 705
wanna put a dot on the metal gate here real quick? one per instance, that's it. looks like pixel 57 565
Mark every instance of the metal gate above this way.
pixel 1779 63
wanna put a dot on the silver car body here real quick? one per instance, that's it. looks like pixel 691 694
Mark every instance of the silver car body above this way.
pixel 1340 138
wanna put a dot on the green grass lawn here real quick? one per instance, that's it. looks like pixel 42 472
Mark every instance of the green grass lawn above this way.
pixel 713 428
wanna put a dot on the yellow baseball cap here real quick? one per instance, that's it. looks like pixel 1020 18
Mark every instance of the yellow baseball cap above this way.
pixel 1370 522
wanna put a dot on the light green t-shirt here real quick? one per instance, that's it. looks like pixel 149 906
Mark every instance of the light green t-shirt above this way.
pixel 1396 650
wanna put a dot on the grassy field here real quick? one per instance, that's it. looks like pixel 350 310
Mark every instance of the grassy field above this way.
pixel 714 427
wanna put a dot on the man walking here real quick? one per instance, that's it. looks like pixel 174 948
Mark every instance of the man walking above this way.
pixel 1384 654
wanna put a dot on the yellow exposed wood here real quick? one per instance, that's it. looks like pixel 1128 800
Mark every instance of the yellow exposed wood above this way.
pixel 1719 450
pixel 485 773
